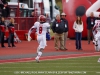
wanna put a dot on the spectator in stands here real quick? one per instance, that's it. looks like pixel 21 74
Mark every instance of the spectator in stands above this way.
pixel 11 29
pixel 5 10
pixel 58 27
pixel 2 30
pixel 63 17
pixel 2 2
pixel 78 27
pixel 48 19
pixel 90 23
pixel 32 14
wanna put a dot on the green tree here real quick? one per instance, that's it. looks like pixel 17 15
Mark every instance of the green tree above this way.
pixel 59 3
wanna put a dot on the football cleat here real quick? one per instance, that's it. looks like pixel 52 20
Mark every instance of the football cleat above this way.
pixel 42 18
pixel 99 60
pixel 37 60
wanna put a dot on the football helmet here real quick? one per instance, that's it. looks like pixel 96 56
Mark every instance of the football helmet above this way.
pixel 42 18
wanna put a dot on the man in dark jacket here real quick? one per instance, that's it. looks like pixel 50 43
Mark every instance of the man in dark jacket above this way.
pixel 58 28
pixel 2 1
pixel 5 10
pixel 63 17
pixel 90 23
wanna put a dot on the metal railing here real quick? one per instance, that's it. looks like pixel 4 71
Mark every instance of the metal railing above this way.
pixel 22 23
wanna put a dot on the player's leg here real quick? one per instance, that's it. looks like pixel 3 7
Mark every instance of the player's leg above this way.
pixel 42 44
pixel 99 60
pixel 97 36
pixel 99 44
pixel 39 52
pixel 38 40
pixel 94 33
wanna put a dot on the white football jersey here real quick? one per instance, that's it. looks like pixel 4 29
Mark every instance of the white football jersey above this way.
pixel 97 25
pixel 41 29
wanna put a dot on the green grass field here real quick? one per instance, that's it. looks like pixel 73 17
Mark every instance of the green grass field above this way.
pixel 73 66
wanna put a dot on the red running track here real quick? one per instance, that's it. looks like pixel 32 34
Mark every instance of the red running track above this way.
pixel 30 47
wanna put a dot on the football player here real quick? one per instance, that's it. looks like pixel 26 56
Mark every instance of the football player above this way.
pixel 96 33
pixel 41 28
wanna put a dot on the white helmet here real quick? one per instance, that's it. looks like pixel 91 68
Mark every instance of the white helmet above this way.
pixel 63 14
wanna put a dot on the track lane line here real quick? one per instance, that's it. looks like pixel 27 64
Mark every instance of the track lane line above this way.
pixel 51 57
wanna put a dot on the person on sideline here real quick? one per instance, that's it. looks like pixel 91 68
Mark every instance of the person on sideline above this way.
pixel 41 28
pixel 5 10
pixel 2 30
pixel 90 23
pixel 58 27
pixel 48 19
pixel 78 27
pixel 32 14
pixel 11 29
pixel 63 17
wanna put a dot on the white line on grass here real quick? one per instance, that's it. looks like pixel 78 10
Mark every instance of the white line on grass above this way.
pixel 52 67
pixel 70 58
pixel 31 72
pixel 59 63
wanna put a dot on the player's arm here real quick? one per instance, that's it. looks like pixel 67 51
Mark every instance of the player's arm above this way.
pixel 30 31
pixel 32 28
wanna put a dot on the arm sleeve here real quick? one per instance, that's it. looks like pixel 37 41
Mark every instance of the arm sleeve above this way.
pixel 31 29
pixel 74 26
pixel 82 26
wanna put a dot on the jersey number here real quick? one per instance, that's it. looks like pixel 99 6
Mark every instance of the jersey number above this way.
pixel 40 30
